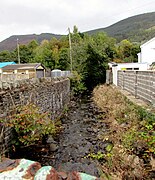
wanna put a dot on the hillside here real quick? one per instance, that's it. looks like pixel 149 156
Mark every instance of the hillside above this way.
pixel 137 28
pixel 11 42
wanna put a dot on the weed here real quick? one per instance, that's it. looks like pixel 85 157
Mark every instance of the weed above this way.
pixel 129 138
pixel 30 125
pixel 98 156
pixel 131 130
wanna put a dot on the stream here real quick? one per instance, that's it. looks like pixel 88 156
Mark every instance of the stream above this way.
pixel 82 134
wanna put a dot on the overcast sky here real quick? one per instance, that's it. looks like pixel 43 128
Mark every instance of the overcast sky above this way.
pixel 55 16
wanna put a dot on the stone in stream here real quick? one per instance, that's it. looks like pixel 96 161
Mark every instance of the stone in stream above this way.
pixel 53 147
pixel 50 139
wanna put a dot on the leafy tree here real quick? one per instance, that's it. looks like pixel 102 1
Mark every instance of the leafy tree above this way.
pixel 5 56
pixel 43 54
pixel 33 45
pixel 25 54
pixel 95 68
pixel 128 51
pixel 75 29
pixel 64 59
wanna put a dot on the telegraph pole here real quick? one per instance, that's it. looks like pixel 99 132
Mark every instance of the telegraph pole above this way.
pixel 70 51
pixel 18 52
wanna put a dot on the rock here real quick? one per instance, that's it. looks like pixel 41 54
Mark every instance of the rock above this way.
pixel 95 130
pixel 53 147
pixel 63 175
pixel 93 142
pixel 152 163
pixel 89 129
pixel 50 139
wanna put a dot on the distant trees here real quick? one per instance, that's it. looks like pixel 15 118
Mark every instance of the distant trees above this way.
pixel 90 55
pixel 5 56
pixel 127 51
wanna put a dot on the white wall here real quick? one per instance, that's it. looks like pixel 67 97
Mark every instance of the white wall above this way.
pixel 147 52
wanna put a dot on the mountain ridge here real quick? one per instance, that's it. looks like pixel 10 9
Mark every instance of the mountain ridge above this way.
pixel 11 42
pixel 139 28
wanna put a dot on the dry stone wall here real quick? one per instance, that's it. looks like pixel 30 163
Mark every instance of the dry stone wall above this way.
pixel 50 95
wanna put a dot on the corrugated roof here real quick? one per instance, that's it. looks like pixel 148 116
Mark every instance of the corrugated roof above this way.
pixel 22 66
pixel 3 64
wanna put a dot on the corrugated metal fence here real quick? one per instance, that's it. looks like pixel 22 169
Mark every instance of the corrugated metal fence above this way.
pixel 141 84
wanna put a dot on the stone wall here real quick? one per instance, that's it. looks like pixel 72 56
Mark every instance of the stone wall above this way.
pixel 50 95
pixel 141 84
pixel 14 77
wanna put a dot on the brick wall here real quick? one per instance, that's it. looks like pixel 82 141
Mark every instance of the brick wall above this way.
pixel 141 84
pixel 50 95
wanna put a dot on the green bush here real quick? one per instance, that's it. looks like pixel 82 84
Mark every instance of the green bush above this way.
pixel 77 86
pixel 30 125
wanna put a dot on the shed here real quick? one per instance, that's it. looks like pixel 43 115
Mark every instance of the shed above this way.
pixel 3 64
pixel 33 70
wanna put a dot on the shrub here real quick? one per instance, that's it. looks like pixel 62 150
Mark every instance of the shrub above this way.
pixel 30 125
pixel 77 86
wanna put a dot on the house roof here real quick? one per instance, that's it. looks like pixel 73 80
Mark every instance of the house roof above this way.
pixel 3 64
pixel 23 66
pixel 153 39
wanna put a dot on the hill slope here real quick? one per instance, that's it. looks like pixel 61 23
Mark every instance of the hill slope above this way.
pixel 11 42
pixel 138 28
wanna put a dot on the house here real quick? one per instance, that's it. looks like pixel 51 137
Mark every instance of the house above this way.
pixel 147 54
pixel 3 64
pixel 115 67
pixel 30 70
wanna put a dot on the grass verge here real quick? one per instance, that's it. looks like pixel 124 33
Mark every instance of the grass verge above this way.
pixel 131 130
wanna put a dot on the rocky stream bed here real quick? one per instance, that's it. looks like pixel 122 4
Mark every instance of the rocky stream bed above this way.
pixel 82 134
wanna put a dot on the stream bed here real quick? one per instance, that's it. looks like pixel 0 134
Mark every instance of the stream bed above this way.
pixel 82 134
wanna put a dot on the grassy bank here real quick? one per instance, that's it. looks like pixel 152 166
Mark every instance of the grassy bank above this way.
pixel 131 130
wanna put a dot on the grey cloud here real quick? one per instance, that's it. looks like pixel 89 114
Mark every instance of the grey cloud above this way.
pixel 31 16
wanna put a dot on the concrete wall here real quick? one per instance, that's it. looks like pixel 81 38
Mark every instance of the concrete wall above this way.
pixel 141 84
pixel 50 95
pixel 109 77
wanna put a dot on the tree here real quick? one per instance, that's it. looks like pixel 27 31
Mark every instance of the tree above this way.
pixel 127 51
pixel 43 54
pixel 25 54
pixel 64 59
pixel 5 56
pixel 100 50
pixel 95 68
